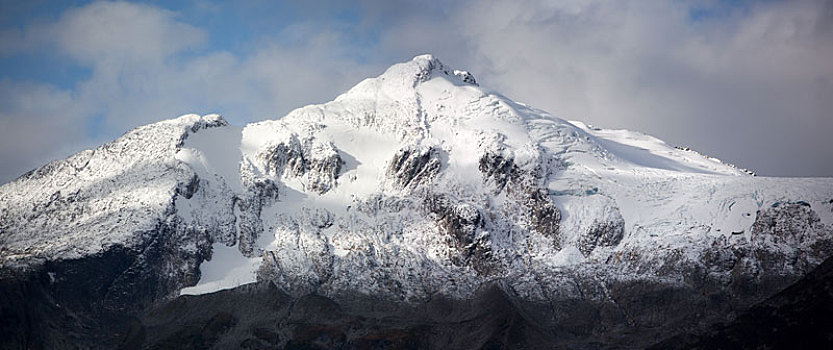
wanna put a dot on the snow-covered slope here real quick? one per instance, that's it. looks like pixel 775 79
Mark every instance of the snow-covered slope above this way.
pixel 97 198
pixel 415 183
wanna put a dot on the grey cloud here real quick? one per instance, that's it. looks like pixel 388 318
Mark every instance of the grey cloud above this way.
pixel 37 123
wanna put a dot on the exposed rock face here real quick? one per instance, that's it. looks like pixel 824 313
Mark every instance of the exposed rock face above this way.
pixel 464 224
pixel 319 162
pixel 412 167
pixel 498 168
pixel 604 233
pixel 415 210
pixel 544 217
pixel 286 158
pixel 466 77
pixel 787 224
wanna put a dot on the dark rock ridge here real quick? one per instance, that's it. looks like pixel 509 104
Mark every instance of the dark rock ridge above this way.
pixel 795 318
pixel 39 313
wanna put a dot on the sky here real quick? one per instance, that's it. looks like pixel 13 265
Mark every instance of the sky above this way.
pixel 749 82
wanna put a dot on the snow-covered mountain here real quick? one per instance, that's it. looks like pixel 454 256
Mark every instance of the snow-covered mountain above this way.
pixel 415 185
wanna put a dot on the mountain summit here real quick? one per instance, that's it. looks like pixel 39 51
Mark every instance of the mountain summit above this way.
pixel 415 186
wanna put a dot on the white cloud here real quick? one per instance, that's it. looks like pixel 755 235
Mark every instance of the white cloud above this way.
pixel 109 33
pixel 138 77
pixel 751 84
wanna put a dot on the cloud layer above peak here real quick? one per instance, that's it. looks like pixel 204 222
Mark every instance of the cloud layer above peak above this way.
pixel 747 82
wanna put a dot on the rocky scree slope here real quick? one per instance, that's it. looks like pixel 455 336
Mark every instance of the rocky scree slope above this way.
pixel 412 186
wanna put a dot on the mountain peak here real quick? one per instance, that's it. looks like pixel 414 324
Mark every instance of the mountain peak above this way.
pixel 427 59
pixel 430 64
pixel 423 68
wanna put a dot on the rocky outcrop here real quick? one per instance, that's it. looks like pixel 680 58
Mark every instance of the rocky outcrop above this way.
pixel 498 168
pixel 414 166
pixel 607 232
pixel 465 77
pixel 318 163
pixel 463 223
pixel 544 217
pixel 286 158
pixel 261 192
pixel 787 223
